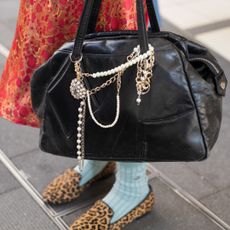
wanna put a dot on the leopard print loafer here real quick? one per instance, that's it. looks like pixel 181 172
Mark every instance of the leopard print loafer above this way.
pixel 65 187
pixel 100 214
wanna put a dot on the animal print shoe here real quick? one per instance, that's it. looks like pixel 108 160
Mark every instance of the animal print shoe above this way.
pixel 100 214
pixel 65 187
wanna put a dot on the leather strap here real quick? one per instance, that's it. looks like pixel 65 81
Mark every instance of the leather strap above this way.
pixel 152 16
pixel 94 17
pixel 141 25
pixel 82 29
pixel 90 13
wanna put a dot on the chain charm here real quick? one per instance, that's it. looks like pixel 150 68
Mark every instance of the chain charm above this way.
pixel 145 63
pixel 144 75
pixel 77 88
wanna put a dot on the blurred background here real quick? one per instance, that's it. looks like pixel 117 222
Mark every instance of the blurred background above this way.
pixel 189 196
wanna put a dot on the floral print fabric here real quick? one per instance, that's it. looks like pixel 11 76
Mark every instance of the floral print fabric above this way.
pixel 42 27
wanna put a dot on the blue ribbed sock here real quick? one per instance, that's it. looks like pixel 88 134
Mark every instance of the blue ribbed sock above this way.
pixel 130 188
pixel 91 168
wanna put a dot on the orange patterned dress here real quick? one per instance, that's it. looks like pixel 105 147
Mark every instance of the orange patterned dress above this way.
pixel 42 27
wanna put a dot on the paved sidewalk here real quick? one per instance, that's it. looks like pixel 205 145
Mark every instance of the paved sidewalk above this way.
pixel 189 196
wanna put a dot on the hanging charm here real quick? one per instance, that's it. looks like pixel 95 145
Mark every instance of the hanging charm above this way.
pixel 77 87
pixel 81 133
pixel 144 74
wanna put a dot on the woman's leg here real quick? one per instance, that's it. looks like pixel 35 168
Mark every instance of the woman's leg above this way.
pixel 91 169
pixel 130 188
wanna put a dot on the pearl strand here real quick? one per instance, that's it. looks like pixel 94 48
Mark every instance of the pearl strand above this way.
pixel 126 65
pixel 80 134
pixel 94 118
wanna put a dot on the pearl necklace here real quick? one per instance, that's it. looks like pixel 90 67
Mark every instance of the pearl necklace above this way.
pixel 145 63
pixel 124 66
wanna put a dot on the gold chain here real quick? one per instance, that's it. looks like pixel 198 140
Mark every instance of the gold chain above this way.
pixel 105 84
pixel 81 75
pixel 144 74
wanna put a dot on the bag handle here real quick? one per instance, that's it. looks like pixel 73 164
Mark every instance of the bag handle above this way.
pixel 154 25
pixel 90 11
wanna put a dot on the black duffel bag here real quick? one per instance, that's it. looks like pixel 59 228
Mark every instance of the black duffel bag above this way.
pixel 177 117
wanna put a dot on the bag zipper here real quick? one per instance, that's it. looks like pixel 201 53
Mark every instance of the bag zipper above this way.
pixel 209 63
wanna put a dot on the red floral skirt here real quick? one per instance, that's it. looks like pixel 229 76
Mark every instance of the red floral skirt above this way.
pixel 42 27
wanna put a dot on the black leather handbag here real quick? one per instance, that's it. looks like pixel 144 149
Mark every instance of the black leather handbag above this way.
pixel 129 95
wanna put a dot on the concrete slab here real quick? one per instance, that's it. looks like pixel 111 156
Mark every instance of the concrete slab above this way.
pixel 2 62
pixel 17 139
pixel 41 167
pixel 1 65
pixel 170 212
pixel 7 34
pixel 186 178
pixel 217 40
pixel 19 211
pixel 189 14
pixel 7 181
pixel 217 168
pixel 9 10
pixel 219 203
pixel 8 19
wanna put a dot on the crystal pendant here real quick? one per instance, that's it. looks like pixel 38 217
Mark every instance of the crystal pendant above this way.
pixel 77 89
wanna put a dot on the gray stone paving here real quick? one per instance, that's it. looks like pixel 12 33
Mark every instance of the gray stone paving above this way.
pixel 7 181
pixel 2 62
pixel 220 203
pixel 20 212
pixel 207 181
pixel 186 178
pixel 17 139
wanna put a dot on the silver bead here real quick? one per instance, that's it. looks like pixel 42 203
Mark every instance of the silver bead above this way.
pixel 78 141
pixel 82 103
pixel 79 153
pixel 79 129
pixel 78 135
pixel 79 122
pixel 138 100
pixel 80 115
pixel 78 147
pixel 79 157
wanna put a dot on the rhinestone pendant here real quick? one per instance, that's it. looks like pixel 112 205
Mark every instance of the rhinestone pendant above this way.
pixel 78 89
